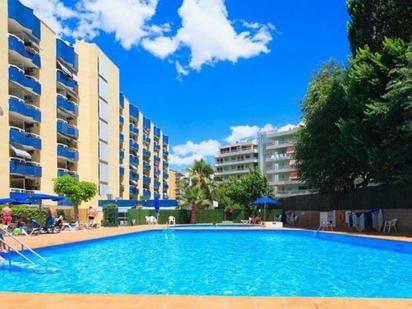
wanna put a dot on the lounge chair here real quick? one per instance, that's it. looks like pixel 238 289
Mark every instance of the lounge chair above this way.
pixel 389 224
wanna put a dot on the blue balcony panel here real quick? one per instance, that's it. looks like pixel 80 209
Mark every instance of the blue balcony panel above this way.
pixel 165 164
pixel 121 171
pixel 134 176
pixel 157 184
pixel 133 145
pixel 64 128
pixel 156 146
pixel 133 129
pixel 165 152
pixel 146 193
pixel 146 166
pixel 121 154
pixel 67 153
pixel 25 168
pixel 133 111
pixel 65 79
pixel 134 160
pixel 121 100
pixel 67 54
pixel 121 120
pixel 134 191
pixel 25 17
pixel 146 153
pixel 156 170
pixel 25 139
pixel 157 132
pixel 147 123
pixel 17 45
pixel 28 111
pixel 165 175
pixel 165 139
pixel 16 75
pixel 62 172
pixel 146 139
pixel 147 180
pixel 66 105
pixel 156 159
pixel 121 137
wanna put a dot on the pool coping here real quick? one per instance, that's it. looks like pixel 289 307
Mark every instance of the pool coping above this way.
pixel 44 300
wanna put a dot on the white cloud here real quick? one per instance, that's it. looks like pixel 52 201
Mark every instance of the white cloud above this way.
pixel 126 19
pixel 211 37
pixel 206 30
pixel 241 133
pixel 53 13
pixel 187 153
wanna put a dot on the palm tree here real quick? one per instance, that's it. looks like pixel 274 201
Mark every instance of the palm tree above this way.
pixel 195 197
pixel 200 173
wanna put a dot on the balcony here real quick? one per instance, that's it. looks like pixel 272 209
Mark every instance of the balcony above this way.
pixel 23 16
pixel 121 171
pixel 121 100
pixel 165 140
pixel 146 139
pixel 146 153
pixel 253 161
pixel 146 193
pixel 165 153
pixel 165 186
pixel 121 137
pixel 65 80
pixel 67 130
pixel 121 120
pixel 66 105
pixel 28 140
pixel 21 54
pixel 121 154
pixel 30 113
pixel 286 181
pixel 29 83
pixel 64 152
pixel 147 180
pixel 29 169
pixel 156 147
pixel 157 159
pixel 133 145
pixel 133 111
pixel 156 171
pixel 134 160
pixel 165 175
pixel 66 54
pixel 134 191
pixel 62 172
pixel 134 176
pixel 157 132
pixel 146 166
pixel 157 184
pixel 279 157
pixel 165 164
pixel 133 129
pixel 147 124
pixel 281 144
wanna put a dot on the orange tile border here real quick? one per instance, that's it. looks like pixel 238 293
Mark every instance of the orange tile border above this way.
pixel 33 300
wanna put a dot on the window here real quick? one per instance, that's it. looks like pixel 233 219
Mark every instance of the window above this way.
pixel 103 151
pixel 103 131
pixel 103 110
pixel 103 68
pixel 103 89
pixel 104 172
pixel 103 189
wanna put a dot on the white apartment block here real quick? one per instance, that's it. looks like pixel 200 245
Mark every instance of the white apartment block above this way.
pixel 236 160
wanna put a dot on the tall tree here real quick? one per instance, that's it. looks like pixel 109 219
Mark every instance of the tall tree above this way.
pixel 195 198
pixel 374 20
pixel 75 191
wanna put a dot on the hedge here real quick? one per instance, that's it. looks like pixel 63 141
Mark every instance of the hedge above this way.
pixel 110 215
pixel 31 213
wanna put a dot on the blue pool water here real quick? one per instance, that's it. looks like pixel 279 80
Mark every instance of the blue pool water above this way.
pixel 220 262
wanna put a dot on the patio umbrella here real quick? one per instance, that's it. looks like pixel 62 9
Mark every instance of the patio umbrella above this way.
pixel 39 197
pixel 266 201
pixel 157 205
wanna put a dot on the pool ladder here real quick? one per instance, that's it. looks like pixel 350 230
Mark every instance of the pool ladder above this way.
pixel 11 248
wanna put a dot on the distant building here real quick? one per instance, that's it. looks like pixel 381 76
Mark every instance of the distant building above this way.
pixel 236 160
pixel 174 189
pixel 277 163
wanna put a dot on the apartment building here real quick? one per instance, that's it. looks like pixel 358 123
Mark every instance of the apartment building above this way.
pixel 236 160
pixel 144 155
pixel 276 161
pixel 61 112
pixel 175 190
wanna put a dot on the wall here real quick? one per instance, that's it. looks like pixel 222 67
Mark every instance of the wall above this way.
pixel 171 191
pixel 48 106
pixel 4 103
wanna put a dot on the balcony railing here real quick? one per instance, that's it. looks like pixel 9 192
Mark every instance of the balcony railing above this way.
pixel 64 128
pixel 121 171
pixel 134 160
pixel 165 175
pixel 165 140
pixel 165 164
pixel 146 139
pixel 147 123
pixel 66 105
pixel 66 54
pixel 147 180
pixel 21 167
pixel 157 132
pixel 63 171
pixel 157 159
pixel 146 166
pixel 133 145
pixel 121 137
pixel 165 153
pixel 20 137
pixel 65 80
pixel 18 106
pixel 156 147
pixel 134 176
pixel 146 193
pixel 121 120
pixel 134 191
pixel 28 82
pixel 121 154
pixel 133 129
pixel 146 153
pixel 134 111
pixel 24 17
pixel 156 184
pixel 17 45
pixel 67 153
pixel 156 170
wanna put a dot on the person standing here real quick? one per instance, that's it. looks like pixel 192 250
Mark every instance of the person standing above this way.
pixel 91 214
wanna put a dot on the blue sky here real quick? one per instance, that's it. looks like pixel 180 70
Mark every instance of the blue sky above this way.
pixel 194 74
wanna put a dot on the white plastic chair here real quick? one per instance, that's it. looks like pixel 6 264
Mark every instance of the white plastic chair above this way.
pixel 152 220
pixel 389 224
pixel 172 220
pixel 325 225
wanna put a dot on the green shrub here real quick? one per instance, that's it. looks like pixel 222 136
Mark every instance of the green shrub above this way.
pixel 31 213
pixel 110 215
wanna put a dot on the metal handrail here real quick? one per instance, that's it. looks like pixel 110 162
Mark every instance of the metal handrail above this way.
pixel 23 245
pixel 17 251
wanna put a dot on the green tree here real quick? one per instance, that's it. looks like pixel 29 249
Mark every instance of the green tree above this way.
pixel 200 174
pixel 374 20
pixel 195 198
pixel 75 191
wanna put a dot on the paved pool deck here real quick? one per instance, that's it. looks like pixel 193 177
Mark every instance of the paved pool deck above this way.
pixel 28 300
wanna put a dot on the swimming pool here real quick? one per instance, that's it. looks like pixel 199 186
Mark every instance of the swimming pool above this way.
pixel 213 226
pixel 221 262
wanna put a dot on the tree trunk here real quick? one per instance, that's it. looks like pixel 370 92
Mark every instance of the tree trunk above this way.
pixel 76 213
pixel 193 214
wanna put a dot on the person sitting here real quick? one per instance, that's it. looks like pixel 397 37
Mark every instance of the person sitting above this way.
pixel 258 219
